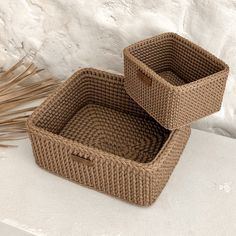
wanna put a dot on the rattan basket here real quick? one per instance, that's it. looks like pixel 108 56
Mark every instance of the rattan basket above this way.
pixel 91 132
pixel 174 80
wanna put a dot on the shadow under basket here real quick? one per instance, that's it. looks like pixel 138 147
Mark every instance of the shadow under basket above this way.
pixel 174 80
pixel 91 132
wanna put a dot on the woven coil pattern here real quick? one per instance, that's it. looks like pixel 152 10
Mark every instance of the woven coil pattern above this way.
pixel 91 132
pixel 174 80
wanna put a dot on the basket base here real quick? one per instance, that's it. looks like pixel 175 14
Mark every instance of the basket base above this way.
pixel 116 132
pixel 172 78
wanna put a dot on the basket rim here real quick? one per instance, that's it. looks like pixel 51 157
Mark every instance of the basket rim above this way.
pixel 150 72
pixel 34 129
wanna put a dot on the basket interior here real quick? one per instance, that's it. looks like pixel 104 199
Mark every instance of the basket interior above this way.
pixel 176 60
pixel 95 110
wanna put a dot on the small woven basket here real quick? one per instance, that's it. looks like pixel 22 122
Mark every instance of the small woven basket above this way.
pixel 174 80
pixel 91 132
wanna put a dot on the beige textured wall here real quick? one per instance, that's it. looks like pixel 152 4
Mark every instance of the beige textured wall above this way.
pixel 81 33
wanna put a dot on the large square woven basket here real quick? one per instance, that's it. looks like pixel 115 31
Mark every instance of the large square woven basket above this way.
pixel 91 132
pixel 174 80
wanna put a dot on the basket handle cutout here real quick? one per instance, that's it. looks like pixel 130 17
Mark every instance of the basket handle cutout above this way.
pixel 147 80
pixel 81 159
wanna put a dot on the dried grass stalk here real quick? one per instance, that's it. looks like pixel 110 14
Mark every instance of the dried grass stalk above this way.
pixel 21 86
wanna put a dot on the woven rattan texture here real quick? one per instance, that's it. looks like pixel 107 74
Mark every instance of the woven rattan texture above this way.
pixel 116 132
pixel 91 132
pixel 174 80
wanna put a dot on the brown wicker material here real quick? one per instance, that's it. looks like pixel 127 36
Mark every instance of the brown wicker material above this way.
pixel 91 132
pixel 174 80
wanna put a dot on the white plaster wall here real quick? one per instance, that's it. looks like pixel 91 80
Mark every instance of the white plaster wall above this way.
pixel 81 33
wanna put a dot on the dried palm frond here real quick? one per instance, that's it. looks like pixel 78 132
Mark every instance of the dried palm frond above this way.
pixel 21 87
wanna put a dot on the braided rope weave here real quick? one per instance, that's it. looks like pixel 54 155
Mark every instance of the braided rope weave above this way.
pixel 91 132
pixel 174 80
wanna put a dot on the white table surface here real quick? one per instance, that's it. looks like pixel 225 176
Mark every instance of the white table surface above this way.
pixel 199 199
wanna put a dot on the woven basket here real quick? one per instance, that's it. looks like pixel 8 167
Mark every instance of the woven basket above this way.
pixel 174 80
pixel 91 132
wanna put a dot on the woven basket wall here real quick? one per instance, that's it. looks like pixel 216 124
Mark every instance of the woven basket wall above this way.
pixel 91 132
pixel 174 80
